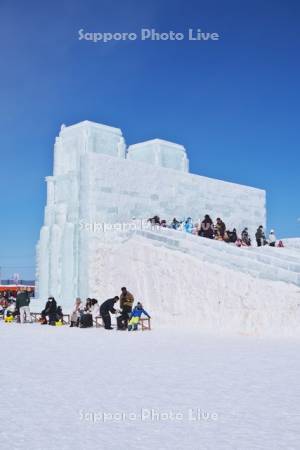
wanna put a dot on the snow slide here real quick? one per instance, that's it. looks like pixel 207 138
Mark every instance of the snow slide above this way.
pixel 193 282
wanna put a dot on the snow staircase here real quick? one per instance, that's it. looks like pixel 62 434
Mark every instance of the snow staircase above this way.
pixel 276 264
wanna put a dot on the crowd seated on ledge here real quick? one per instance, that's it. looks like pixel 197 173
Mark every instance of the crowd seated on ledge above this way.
pixel 218 231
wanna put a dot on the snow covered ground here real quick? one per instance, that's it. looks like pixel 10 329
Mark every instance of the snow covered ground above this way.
pixel 57 384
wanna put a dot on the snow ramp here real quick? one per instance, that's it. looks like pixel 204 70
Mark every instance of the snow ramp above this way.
pixel 189 281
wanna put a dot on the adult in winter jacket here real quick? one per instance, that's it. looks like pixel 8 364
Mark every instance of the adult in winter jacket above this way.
pixel 207 227
pixel 126 303
pixel 22 305
pixel 135 316
pixel 260 236
pixel 50 311
pixel 76 312
pixel 272 238
pixel 220 228
pixel 245 237
pixel 106 308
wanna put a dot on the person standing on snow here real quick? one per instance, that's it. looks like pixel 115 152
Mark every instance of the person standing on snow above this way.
pixel 135 317
pixel 22 305
pixel 272 238
pixel 106 308
pixel 126 303
pixel 260 236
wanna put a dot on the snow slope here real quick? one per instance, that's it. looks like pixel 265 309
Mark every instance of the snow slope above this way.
pixel 56 380
pixel 193 282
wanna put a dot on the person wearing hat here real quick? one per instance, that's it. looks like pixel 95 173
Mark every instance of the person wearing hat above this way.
pixel 272 238
pixel 135 316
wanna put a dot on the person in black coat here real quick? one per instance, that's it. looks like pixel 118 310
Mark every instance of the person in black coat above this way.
pixel 260 236
pixel 106 308
pixel 50 311
pixel 231 236
pixel 207 228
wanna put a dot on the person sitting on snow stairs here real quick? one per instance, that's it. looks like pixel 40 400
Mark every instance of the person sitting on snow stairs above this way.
pixel 135 317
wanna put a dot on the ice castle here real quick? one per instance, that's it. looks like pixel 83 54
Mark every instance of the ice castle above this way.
pixel 98 180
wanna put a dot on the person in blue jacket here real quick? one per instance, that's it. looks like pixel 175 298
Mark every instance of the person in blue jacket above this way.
pixel 188 225
pixel 135 316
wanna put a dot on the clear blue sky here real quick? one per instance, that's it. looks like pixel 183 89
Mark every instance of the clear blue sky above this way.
pixel 234 103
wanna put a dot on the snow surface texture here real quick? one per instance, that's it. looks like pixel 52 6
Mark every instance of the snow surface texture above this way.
pixel 56 380
pixel 94 183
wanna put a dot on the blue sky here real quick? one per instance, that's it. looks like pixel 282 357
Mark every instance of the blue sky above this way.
pixel 233 103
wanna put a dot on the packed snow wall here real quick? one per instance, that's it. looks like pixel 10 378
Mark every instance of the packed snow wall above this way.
pixel 188 289
pixel 95 186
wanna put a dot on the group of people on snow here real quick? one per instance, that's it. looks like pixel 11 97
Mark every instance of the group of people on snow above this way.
pixel 218 231
pixel 11 307
pixel 82 315
pixel 127 316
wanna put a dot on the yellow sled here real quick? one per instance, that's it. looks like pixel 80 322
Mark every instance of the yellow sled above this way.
pixel 8 319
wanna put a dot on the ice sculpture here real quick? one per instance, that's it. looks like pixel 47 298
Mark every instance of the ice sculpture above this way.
pixel 95 182
pixel 160 153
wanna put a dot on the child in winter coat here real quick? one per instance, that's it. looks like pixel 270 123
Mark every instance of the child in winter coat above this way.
pixel 135 317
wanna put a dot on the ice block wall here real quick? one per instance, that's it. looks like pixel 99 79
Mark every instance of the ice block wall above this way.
pixel 61 249
pixel 123 189
pixel 160 153
pixel 94 182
